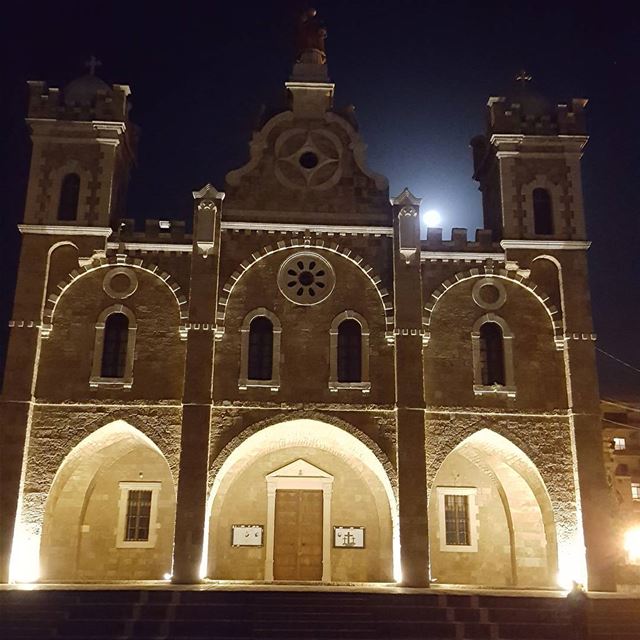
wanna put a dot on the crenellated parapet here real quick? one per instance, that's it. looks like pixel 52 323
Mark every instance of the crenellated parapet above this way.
pixel 155 232
pixel 532 115
pixel 95 102
pixel 460 242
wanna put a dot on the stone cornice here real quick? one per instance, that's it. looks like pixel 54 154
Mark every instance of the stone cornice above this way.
pixel 553 245
pixel 64 230
pixel 461 256
pixel 340 229
pixel 152 246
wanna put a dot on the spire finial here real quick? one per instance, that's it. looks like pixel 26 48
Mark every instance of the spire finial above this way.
pixel 91 64
pixel 523 77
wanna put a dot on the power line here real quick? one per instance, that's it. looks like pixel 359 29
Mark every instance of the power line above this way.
pixel 626 364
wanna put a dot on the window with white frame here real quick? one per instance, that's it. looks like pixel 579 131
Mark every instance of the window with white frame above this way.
pixel 114 348
pixel 349 352
pixel 619 444
pixel 260 350
pixel 458 518
pixel 137 514
pixel 492 350
pixel 635 491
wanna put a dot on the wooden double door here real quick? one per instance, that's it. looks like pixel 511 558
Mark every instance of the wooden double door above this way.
pixel 297 548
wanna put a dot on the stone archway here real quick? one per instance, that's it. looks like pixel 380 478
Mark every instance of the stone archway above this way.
pixel 90 509
pixel 360 495
pixel 510 538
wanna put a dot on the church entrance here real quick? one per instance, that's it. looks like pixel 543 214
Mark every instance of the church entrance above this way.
pixel 301 500
pixel 298 535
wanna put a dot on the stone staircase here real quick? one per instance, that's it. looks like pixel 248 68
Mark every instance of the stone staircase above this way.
pixel 176 614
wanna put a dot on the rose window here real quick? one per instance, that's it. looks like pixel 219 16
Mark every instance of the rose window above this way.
pixel 306 278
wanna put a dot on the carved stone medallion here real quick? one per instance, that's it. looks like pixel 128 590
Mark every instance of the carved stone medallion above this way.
pixel 306 278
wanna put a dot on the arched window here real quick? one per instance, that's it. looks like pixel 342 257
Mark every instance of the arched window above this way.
pixel 491 354
pixel 349 351
pixel 542 212
pixel 69 192
pixel 260 365
pixel 114 349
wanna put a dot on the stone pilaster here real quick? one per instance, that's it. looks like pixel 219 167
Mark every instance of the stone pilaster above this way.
pixel 196 417
pixel 412 478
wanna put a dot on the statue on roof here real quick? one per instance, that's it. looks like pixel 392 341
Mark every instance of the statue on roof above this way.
pixel 311 36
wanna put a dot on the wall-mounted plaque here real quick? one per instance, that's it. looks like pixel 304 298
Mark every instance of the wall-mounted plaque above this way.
pixel 352 537
pixel 246 535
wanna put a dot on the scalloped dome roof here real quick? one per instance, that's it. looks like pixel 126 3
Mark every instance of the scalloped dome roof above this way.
pixel 83 90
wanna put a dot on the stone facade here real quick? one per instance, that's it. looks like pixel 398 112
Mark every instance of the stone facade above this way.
pixel 305 238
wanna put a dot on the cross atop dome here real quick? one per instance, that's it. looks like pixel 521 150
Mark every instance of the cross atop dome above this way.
pixel 91 64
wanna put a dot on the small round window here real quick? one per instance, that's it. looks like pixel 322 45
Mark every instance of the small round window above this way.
pixel 306 278
pixel 308 160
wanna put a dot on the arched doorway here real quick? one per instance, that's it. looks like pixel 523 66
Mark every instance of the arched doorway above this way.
pixel 491 519
pixel 313 501
pixel 111 510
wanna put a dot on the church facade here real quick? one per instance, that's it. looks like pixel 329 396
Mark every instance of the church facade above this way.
pixel 303 389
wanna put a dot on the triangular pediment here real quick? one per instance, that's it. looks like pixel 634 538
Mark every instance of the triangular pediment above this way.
pixel 299 469
pixel 406 197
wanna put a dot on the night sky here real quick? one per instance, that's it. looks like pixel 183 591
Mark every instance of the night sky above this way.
pixel 419 74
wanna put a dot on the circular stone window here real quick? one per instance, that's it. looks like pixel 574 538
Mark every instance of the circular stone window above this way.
pixel 120 283
pixel 306 278
pixel 489 294
pixel 308 160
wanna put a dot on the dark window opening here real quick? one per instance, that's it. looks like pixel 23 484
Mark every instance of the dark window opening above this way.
pixel 456 519
pixel 491 354
pixel 260 349
pixel 138 516
pixel 114 352
pixel 69 193
pixel 349 351
pixel 542 212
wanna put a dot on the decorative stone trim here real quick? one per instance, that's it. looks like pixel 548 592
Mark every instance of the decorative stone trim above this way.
pixel 489 270
pixel 460 256
pixel 126 381
pixel 329 229
pixel 476 294
pixel 152 247
pixel 293 243
pixel 581 336
pixel 572 245
pixel 244 381
pixel 101 262
pixel 365 384
pixel 20 324
pixel 318 285
pixel 123 272
pixel 64 230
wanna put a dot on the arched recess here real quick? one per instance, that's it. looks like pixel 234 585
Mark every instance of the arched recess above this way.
pixel 510 523
pixel 362 495
pixel 334 383
pixel 102 263
pixel 84 535
pixel 487 270
pixel 333 247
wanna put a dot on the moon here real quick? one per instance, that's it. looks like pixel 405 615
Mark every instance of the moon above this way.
pixel 432 218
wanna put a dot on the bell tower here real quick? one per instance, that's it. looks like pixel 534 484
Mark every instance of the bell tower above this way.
pixel 83 149
pixel 528 166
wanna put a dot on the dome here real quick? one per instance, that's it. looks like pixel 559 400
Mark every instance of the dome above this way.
pixel 532 102
pixel 83 90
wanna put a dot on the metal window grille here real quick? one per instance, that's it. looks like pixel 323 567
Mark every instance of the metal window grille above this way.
pixel 456 514
pixel 138 516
